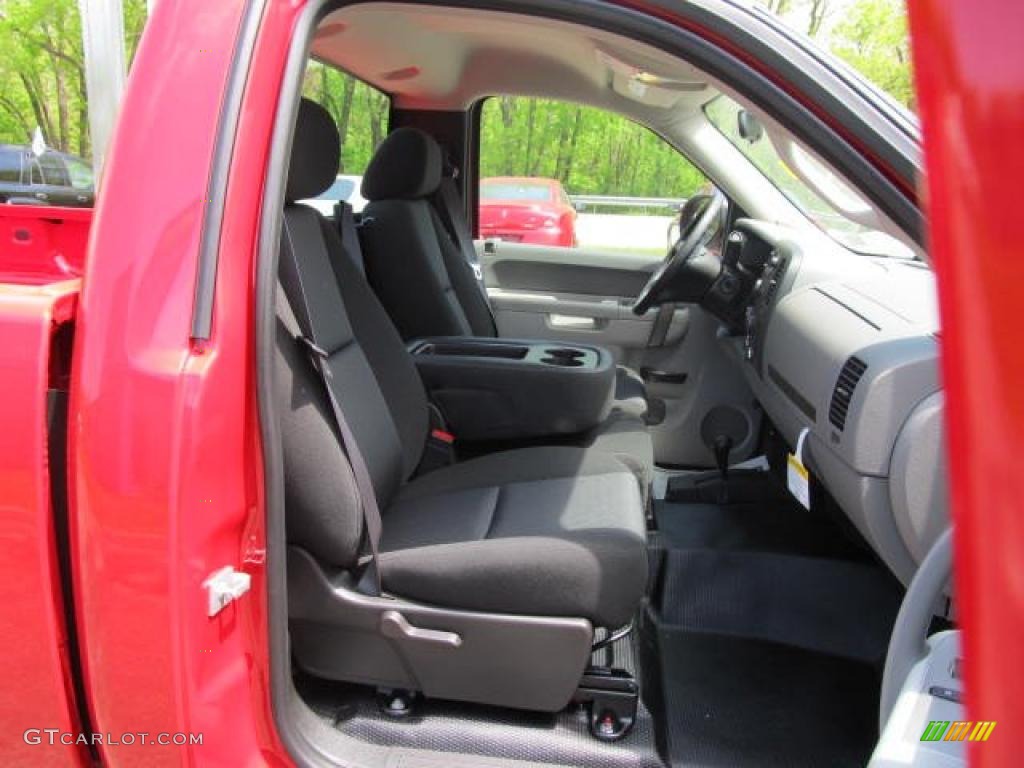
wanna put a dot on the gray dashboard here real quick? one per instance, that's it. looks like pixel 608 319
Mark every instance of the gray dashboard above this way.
pixel 846 347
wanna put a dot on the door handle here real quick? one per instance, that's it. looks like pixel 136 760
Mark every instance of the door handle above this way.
pixel 573 322
pixel 42 196
pixel 662 377
pixel 394 626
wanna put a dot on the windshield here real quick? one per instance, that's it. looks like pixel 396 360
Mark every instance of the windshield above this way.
pixel 824 198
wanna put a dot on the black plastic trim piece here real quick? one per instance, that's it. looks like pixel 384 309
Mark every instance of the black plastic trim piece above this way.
pixel 216 188
pixel 56 456
pixel 842 394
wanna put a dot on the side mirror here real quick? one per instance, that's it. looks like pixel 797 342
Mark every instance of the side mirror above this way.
pixel 749 126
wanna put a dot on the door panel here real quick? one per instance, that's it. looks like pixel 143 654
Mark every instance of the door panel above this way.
pixel 523 266
pixel 584 295
pixel 571 317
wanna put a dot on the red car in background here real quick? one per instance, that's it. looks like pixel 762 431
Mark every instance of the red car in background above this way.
pixel 526 210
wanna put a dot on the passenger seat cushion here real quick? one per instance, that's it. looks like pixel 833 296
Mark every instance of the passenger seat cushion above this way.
pixel 406 166
pixel 555 531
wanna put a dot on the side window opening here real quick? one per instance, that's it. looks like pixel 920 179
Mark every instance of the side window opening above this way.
pixel 559 174
pixel 54 172
pixel 10 166
pixel 35 172
pixel 361 113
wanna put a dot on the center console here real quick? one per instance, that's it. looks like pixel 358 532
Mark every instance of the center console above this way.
pixel 501 389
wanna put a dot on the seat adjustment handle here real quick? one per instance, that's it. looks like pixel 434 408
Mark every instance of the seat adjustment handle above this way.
pixel 394 626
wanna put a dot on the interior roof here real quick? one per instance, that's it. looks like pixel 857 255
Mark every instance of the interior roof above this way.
pixel 440 58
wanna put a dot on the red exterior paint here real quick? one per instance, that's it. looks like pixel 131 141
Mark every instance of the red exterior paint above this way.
pixel 34 666
pixel 167 478
pixel 548 221
pixel 970 78
pixel 41 245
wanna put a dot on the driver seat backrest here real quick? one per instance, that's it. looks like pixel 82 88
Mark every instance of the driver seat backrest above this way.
pixel 413 263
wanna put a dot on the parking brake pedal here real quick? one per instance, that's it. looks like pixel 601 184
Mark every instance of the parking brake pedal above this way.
pixel 612 695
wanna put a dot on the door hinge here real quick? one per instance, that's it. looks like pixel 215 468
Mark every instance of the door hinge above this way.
pixel 223 587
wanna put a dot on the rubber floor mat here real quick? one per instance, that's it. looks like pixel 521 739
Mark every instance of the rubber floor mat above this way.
pixel 740 702
pixel 768 527
pixel 839 607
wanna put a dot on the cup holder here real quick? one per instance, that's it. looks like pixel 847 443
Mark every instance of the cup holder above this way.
pixel 568 362
pixel 563 356
pixel 564 353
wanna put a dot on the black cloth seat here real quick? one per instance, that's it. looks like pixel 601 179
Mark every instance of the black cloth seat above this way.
pixel 536 531
pixel 554 531
pixel 416 264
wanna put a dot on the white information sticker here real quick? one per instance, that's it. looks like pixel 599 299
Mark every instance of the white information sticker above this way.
pixel 797 478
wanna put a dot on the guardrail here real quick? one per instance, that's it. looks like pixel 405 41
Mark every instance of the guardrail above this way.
pixel 581 202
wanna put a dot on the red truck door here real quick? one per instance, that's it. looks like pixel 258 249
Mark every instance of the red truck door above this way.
pixel 970 82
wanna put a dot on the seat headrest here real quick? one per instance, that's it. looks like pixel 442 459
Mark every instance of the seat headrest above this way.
pixel 406 166
pixel 316 150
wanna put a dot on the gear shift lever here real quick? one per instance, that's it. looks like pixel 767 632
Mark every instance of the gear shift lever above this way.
pixel 723 447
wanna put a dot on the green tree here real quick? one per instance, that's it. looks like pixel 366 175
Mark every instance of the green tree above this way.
pixel 591 151
pixel 871 36
pixel 42 72
pixel 359 111
pixel 873 40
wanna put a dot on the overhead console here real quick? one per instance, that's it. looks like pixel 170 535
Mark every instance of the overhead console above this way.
pixel 499 389
pixel 846 347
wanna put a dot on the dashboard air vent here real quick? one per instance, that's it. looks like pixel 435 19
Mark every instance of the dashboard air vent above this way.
pixel 843 393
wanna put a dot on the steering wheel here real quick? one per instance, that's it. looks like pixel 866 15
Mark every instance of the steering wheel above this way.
pixel 907 646
pixel 702 214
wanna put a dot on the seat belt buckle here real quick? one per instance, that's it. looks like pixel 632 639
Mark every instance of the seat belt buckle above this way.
pixel 478 273
pixel 440 451
pixel 442 436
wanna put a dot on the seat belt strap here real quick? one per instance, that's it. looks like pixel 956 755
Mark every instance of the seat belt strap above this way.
pixel 345 222
pixel 291 280
pixel 453 216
